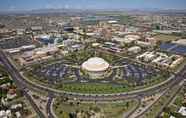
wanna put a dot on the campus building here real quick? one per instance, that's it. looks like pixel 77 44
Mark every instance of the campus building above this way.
pixel 37 54
pixel 95 67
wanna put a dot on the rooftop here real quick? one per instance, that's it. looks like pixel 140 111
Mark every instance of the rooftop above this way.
pixel 95 64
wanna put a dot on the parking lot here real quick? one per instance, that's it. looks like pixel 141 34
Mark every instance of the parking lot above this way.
pixel 60 72
pixel 137 72
pixel 55 72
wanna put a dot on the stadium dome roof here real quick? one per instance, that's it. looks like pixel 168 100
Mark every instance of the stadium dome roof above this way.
pixel 95 64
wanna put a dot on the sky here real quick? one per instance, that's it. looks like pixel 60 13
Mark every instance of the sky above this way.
pixel 7 5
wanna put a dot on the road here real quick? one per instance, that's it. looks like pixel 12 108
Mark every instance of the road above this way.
pixel 14 73
pixel 22 83
pixel 178 82
pixel 35 107
pixel 21 86
pixel 137 106
pixel 49 105
pixel 180 85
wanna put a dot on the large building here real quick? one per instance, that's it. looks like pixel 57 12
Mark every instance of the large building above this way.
pixel 43 53
pixel 161 59
pixel 95 67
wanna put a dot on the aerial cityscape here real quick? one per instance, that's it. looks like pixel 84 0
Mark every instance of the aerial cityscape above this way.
pixel 92 59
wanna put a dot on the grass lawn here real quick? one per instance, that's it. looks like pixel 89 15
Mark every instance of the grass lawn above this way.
pixel 93 88
pixel 110 110
pixel 99 88
pixel 164 37
pixel 179 100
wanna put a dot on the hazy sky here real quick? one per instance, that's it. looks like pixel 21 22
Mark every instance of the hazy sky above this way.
pixel 91 4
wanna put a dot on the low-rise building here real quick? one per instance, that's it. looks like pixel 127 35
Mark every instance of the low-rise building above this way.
pixel 38 54
pixel 151 40
pixel 22 48
pixel 76 47
pixel 161 59
pixel 180 42
pixel 16 106
pixel 144 44
pixel 182 110
pixel 134 49
pixel 18 114
pixel 5 114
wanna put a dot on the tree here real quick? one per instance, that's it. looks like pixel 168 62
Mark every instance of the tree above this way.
pixel 177 115
pixel 127 104
pixel 167 109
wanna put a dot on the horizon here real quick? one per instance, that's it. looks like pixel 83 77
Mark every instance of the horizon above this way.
pixel 22 5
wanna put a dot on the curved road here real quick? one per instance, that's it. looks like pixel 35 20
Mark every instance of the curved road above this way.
pixel 49 105
pixel 15 74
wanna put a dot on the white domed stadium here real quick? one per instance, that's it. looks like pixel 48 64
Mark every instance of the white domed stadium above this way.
pixel 96 67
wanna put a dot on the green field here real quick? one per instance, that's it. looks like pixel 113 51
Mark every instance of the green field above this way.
pixel 100 88
pixel 165 38
pixel 92 88
pixel 108 110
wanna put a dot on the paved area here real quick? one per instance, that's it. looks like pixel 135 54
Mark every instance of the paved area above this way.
pixel 59 71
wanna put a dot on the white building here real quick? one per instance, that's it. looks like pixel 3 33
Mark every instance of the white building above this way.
pixel 38 54
pixel 16 106
pixel 161 59
pixel 5 114
pixel 95 67
pixel 134 49
pixel 132 37
pixel 22 48
pixel 182 110
pixel 144 44
pixel 180 42
pixel 18 114
pixel 112 21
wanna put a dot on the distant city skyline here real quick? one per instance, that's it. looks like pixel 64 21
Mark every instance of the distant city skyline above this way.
pixel 8 5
